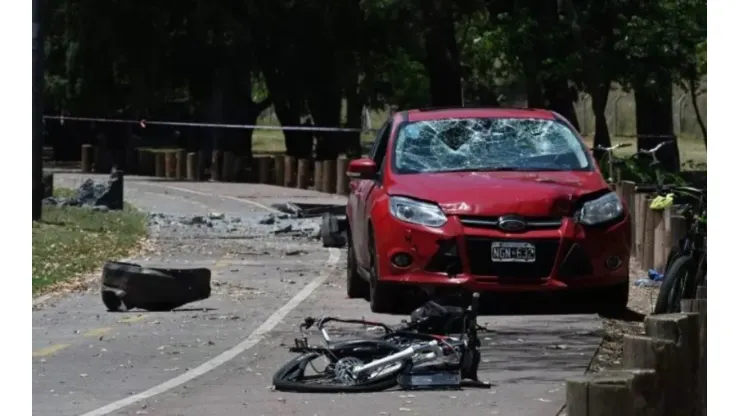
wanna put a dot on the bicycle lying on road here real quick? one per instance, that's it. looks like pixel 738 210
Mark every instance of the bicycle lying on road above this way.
pixel 416 355
pixel 686 265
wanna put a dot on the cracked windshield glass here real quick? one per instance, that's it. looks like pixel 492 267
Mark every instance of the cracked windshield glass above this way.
pixel 488 144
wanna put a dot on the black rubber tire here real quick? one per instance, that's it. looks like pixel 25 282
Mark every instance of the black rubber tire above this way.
pixel 154 289
pixel 673 282
pixel 672 256
pixel 613 300
pixel 282 382
pixel 381 297
pixel 357 287
pixel 331 234
pixel 111 300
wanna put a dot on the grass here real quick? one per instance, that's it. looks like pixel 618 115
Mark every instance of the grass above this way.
pixel 71 241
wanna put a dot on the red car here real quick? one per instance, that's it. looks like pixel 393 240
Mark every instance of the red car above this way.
pixel 487 200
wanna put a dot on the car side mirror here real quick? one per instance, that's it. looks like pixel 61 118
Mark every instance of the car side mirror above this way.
pixel 364 168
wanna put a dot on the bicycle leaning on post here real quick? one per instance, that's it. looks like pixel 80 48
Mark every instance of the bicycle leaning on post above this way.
pixel 686 265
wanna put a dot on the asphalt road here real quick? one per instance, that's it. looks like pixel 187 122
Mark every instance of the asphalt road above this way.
pixel 217 357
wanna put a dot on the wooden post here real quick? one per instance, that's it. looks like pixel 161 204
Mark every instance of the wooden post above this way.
pixel 181 162
pixel 279 162
pixel 670 348
pixel 699 306
pixel 659 245
pixel 628 193
pixel 613 393
pixel 318 176
pixel 202 163
pixel 639 220
pixel 342 179
pixel 290 172
pixel 192 166
pixel 263 168
pixel 227 171
pixel 159 169
pixel 303 173
pixel 86 158
pixel 648 242
pixel 170 164
pixel 330 178
pixel 677 228
pixel 216 165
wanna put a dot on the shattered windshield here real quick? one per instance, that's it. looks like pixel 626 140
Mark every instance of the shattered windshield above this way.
pixel 487 144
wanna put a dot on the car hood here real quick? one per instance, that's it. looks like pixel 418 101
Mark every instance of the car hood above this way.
pixel 536 194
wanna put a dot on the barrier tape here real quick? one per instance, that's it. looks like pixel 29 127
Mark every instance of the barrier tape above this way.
pixel 144 123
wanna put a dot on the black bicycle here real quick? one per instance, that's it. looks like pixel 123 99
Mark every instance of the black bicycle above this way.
pixel 419 354
pixel 686 265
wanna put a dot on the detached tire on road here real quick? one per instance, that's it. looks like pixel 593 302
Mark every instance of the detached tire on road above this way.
pixel 331 233
pixel 150 288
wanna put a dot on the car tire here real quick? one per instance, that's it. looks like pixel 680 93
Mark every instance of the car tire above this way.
pixel 613 300
pixel 381 296
pixel 357 287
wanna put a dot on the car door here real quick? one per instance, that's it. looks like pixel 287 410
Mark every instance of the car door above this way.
pixel 365 191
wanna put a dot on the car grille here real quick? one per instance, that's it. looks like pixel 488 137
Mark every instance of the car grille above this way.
pixel 479 258
pixel 531 223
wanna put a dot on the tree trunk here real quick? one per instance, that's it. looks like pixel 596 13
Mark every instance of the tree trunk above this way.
pixel 599 96
pixel 560 99
pixel 352 140
pixel 695 104
pixel 442 56
pixel 654 117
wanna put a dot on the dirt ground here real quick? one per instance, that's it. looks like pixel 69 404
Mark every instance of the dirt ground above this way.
pixel 641 301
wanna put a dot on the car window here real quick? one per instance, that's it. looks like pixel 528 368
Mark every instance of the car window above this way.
pixel 488 144
pixel 381 144
pixel 378 138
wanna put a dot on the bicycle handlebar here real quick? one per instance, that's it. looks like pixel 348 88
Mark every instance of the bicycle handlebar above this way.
pixel 612 148
pixel 652 151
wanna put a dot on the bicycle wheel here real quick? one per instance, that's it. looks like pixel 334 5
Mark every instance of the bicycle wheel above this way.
pixel 333 376
pixel 678 283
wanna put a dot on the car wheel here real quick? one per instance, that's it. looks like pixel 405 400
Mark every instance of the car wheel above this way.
pixel 381 297
pixel 357 287
pixel 613 300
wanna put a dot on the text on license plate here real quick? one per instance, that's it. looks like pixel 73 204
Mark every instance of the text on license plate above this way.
pixel 513 252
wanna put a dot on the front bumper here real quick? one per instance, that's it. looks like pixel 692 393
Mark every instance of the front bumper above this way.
pixel 458 256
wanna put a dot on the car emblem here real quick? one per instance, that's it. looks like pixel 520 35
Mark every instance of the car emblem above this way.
pixel 511 224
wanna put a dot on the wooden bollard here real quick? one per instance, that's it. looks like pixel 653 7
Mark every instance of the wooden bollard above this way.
pixel 318 175
pixel 304 171
pixel 670 347
pixel 159 169
pixel 660 248
pixel 279 169
pixel 648 241
pixel 330 176
pixel 290 172
pixel 263 168
pixel 699 306
pixel 676 229
pixel 342 179
pixel 627 190
pixel 203 157
pixel 639 220
pixel 192 166
pixel 180 164
pixel 227 170
pixel 216 165
pixel 612 393
pixel 101 160
pixel 170 164
pixel 86 158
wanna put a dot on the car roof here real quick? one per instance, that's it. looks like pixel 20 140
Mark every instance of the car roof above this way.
pixel 423 114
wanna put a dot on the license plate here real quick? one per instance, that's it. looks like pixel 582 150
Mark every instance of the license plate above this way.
pixel 513 252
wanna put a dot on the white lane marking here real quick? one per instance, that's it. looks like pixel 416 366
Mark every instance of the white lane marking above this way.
pixel 253 339
pixel 246 201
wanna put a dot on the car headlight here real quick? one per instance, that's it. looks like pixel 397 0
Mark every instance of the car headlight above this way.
pixel 417 212
pixel 600 210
